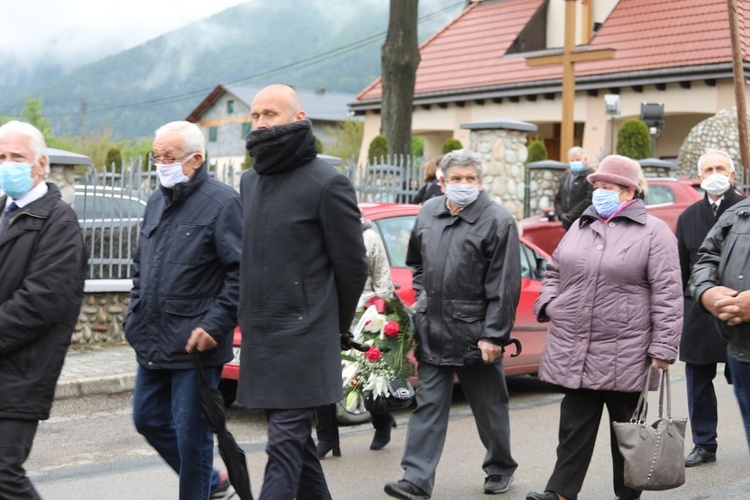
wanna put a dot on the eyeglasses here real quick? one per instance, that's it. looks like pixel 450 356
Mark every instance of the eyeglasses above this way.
pixel 167 160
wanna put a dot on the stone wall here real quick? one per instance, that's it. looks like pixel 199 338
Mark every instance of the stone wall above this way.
pixel 504 153
pixel 543 186
pixel 100 321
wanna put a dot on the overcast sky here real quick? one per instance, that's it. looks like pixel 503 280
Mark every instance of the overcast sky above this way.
pixel 81 31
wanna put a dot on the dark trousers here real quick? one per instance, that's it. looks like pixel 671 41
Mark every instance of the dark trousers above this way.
pixel 580 416
pixel 702 406
pixel 485 389
pixel 741 380
pixel 327 427
pixel 293 469
pixel 16 437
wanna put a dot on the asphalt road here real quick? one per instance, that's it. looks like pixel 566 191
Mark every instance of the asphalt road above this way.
pixel 90 450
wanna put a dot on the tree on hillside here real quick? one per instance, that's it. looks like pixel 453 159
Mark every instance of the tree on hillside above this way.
pixel 347 138
pixel 399 60
pixel 32 113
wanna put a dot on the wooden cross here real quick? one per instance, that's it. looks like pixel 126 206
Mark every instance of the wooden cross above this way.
pixel 568 58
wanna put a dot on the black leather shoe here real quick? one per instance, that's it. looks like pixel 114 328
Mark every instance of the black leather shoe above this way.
pixel 547 495
pixel 699 456
pixel 405 490
pixel 496 483
pixel 325 446
pixel 383 434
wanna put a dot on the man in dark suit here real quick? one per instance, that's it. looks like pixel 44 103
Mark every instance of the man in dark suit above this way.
pixel 303 270
pixel 574 194
pixel 701 347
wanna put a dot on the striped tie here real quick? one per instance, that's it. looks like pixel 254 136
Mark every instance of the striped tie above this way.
pixel 715 208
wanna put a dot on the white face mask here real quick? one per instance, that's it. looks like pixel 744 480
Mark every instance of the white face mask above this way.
pixel 462 194
pixel 716 184
pixel 172 174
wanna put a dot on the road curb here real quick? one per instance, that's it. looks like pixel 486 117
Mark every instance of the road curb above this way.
pixel 112 384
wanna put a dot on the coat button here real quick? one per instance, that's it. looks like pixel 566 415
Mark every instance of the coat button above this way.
pixel 150 363
pixel 612 224
pixel 187 234
pixel 583 375
pixel 741 277
pixel 599 247
pixel 584 341
pixel 586 309
pixel 300 318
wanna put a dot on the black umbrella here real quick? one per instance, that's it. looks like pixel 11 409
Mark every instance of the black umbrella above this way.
pixel 212 404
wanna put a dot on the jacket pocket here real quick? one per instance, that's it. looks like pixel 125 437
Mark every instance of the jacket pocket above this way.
pixel 468 319
pixel 190 244
pixel 182 315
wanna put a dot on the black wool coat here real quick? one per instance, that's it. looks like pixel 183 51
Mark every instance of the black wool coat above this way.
pixel 42 270
pixel 701 343
pixel 303 269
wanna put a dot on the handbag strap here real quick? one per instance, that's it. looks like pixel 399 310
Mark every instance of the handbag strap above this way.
pixel 641 410
pixel 665 383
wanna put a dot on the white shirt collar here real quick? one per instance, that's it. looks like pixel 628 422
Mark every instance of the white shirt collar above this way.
pixel 34 194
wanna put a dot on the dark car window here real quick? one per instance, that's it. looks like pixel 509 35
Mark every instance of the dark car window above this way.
pixel 533 265
pixel 395 232
pixel 659 195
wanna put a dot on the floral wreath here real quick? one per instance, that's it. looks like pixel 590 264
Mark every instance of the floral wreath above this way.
pixel 389 335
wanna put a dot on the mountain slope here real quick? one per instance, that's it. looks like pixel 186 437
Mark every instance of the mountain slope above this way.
pixel 308 44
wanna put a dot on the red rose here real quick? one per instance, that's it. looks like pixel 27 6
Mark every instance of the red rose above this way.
pixel 391 329
pixel 373 354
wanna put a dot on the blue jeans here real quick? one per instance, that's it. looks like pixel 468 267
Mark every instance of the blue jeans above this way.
pixel 167 412
pixel 741 379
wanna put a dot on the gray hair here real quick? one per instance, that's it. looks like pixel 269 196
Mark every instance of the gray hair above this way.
pixel 577 149
pixel 190 133
pixel 719 152
pixel 36 140
pixel 461 157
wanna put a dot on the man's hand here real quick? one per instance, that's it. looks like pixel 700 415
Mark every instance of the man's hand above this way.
pixel 734 310
pixel 200 339
pixel 490 352
pixel 715 294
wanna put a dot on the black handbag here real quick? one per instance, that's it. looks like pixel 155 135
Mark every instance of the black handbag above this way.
pixel 400 395
pixel 653 454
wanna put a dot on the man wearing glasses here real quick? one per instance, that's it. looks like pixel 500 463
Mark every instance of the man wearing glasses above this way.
pixel 184 298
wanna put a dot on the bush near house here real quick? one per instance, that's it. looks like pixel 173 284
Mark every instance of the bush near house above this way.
pixel 451 145
pixel 634 140
pixel 114 157
pixel 537 150
pixel 378 147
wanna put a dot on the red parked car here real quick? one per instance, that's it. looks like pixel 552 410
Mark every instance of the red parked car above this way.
pixel 394 222
pixel 666 199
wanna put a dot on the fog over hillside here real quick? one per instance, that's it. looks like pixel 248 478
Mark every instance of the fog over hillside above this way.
pixel 306 43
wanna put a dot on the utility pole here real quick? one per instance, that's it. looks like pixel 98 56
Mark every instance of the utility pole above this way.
pixel 739 88
pixel 83 118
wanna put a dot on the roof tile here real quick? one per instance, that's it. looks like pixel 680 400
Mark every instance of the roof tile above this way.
pixel 469 53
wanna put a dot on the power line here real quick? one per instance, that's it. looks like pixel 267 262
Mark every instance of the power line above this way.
pixel 300 64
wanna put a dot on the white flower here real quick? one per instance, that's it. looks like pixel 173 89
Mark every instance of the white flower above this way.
pixel 371 321
pixel 378 385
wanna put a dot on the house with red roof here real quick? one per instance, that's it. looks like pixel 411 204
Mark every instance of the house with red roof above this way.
pixel 673 52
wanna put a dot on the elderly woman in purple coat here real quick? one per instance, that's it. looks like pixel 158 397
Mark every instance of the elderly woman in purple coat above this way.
pixel 613 297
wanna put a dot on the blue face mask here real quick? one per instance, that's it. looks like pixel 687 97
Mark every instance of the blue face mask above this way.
pixel 576 166
pixel 15 178
pixel 606 202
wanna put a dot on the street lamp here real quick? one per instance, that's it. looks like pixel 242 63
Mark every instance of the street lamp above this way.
pixel 652 114
pixel 612 107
